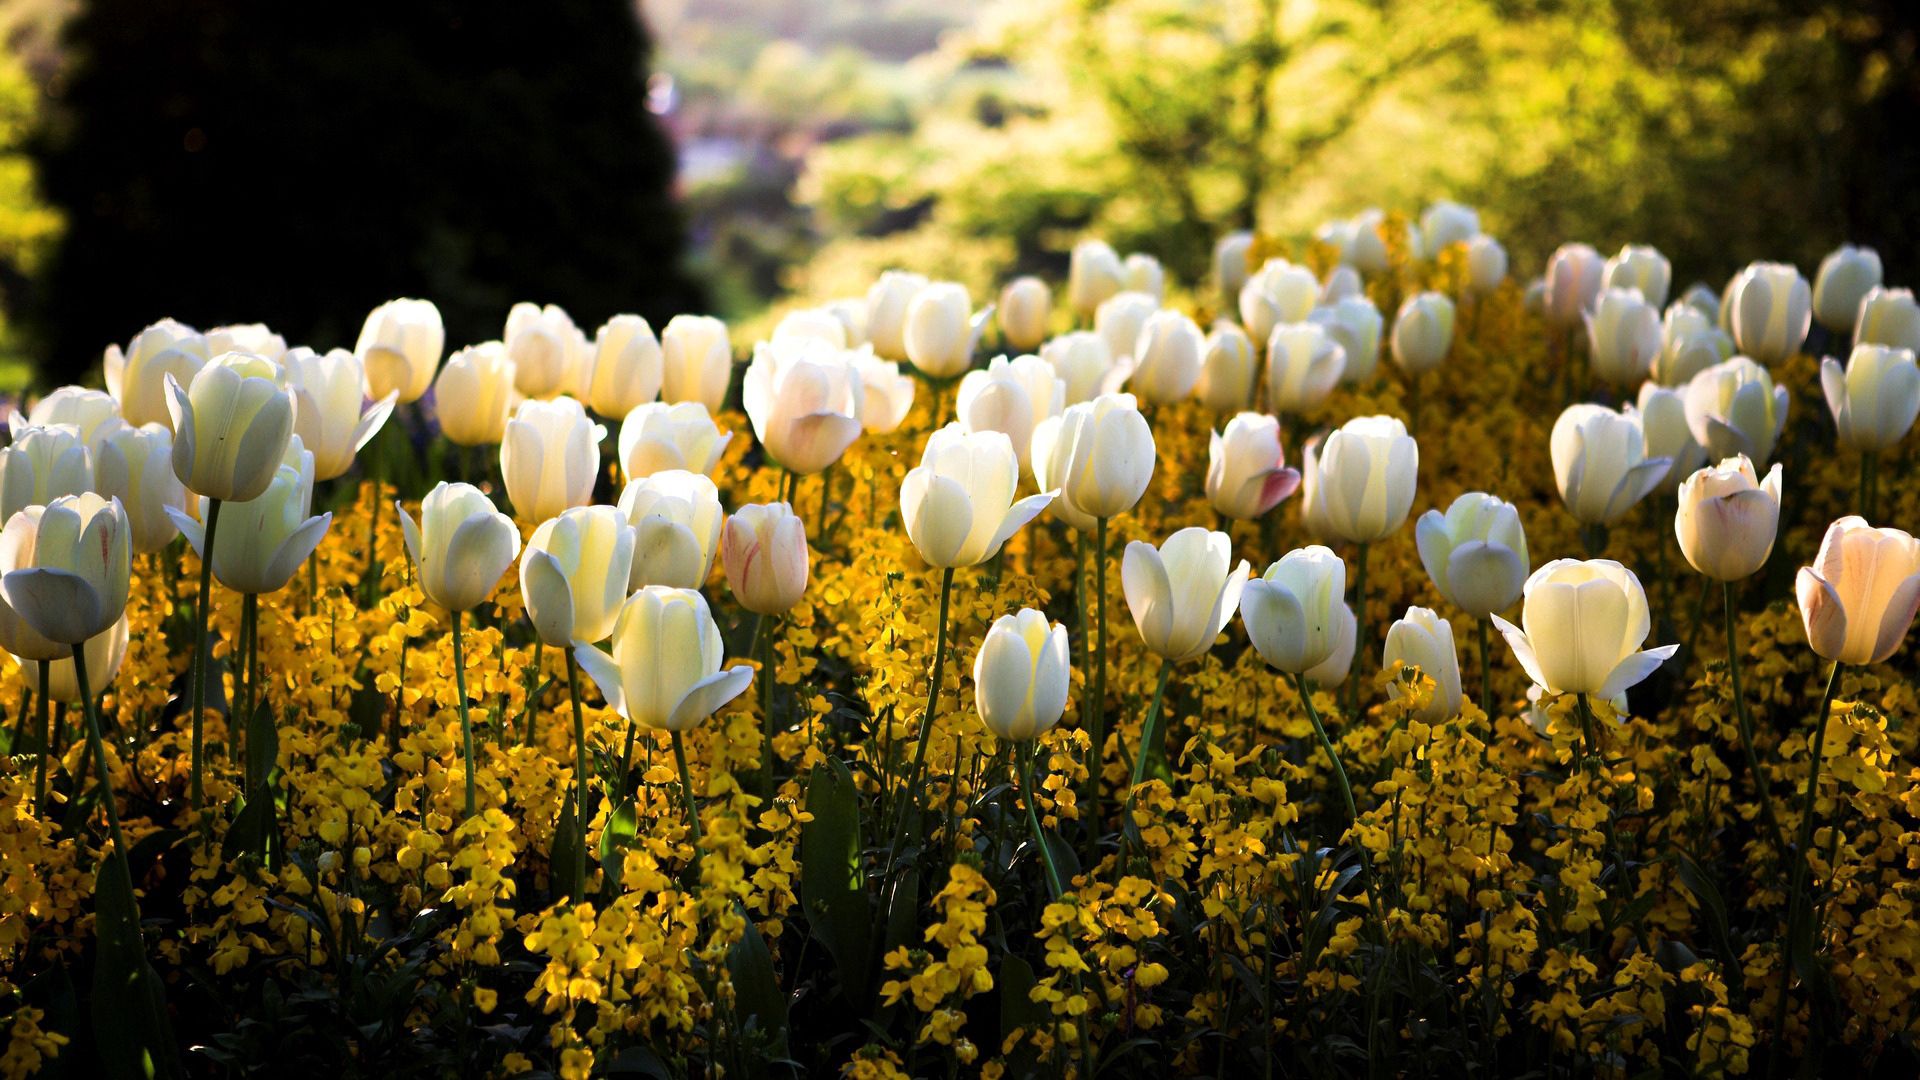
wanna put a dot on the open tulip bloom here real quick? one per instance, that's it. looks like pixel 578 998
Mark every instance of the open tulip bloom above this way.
pixel 1181 594
pixel 1581 627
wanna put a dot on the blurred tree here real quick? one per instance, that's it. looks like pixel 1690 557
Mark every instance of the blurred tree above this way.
pixel 28 227
pixel 222 160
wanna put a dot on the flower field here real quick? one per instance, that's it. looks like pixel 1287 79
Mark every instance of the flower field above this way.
pixel 1361 662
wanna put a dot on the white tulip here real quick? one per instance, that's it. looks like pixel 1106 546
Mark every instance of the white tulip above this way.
pixel 1769 311
pixel 1022 676
pixel 327 408
pixel 1640 268
pixel 1734 408
pixel 1167 357
pixel 696 361
pixel 1572 283
pixel 461 546
pixel 1600 462
pixel 1445 224
pixel 1094 273
pixel 1304 364
pixel 1486 264
pixel 677 520
pixel 1230 267
pixel 1475 553
pixel 1623 337
pixel 1423 332
pixel 1247 473
pixel 657 436
pixel 574 573
pixel 1182 593
pixel 1292 612
pixel 887 394
pixel 1689 344
pixel 399 349
pixel 942 330
pixel 93 413
pixel 1011 396
pixel 550 457
pixel 625 367
pixel 1356 325
pixel 549 352
pixel 1119 320
pixel 1887 317
pixel 1663 423
pixel 887 302
pixel 474 395
pixel 1584 623
pixel 1361 480
pixel 1229 368
pixel 136 466
pixel 1099 455
pixel 958 503
pixel 137 377
pixel 42 464
pixel 1145 274
pixel 1278 293
pixel 1026 305
pixel 804 399
pixel 1875 398
pixel 1846 275
pixel 1084 363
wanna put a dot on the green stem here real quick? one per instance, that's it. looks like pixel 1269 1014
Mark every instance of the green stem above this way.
pixel 1030 790
pixel 819 537
pixel 460 688
pixel 1795 901
pixel 1346 786
pixel 370 576
pixel 686 789
pixel 107 799
pixel 40 708
pixel 1359 630
pixel 1486 678
pixel 1150 737
pixel 580 773
pixel 1746 729
pixel 1097 730
pixel 907 799
pixel 244 678
pixel 203 658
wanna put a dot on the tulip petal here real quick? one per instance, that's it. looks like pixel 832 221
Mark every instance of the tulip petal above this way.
pixel 605 674
pixel 60 606
pixel 481 550
pixel 1522 649
pixel 707 696
pixel 939 515
pixel 1824 616
pixel 1149 594
pixel 1633 670
pixel 1017 517
pixel 1896 617
pixel 296 549
pixel 189 527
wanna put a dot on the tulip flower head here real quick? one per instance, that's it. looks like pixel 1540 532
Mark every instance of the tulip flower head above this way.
pixel 677 519
pixel 1623 337
pixel 1875 398
pixel 461 546
pixel 1145 274
pixel 1120 321
pixel 1094 274
pixel 1099 455
pixel 625 367
pixel 256 338
pixel 549 352
pixel 399 349
pixel 328 415
pixel 550 457
pixel 805 402
pixel 1888 317
pixel 93 413
pixel 942 331
pixel 1247 473
pixel 135 465
pixel 1229 366
pixel 1230 267
pixel 1342 283
pixel 42 464
pixel 1858 598
pixel 137 377
pixel 887 392
pixel 1572 284
pixel 1167 357
pixel 887 302
pixel 816 323
pixel 105 654
pixel 1084 363
pixel 1581 628
pixel 764 550
pixel 1182 593
pixel 1445 224
pixel 1292 612
pixel 1770 310
pixel 1475 553
pixel 958 502
pixel 1424 640
pixel 1355 325
pixel 1663 423
pixel 1846 275
pixel 573 574
pixel 1304 364
pixel 1486 264
pixel 1423 332
pixel 231 426
pixel 665 671
pixel 263 540
pixel 696 361
pixel 657 436
pixel 1600 462
pixel 1278 293
pixel 1011 397
pixel 1727 519
pixel 1360 481
pixel 1022 675
pixel 65 570
pixel 1026 305
pixel 1734 408
pixel 1642 269
pixel 1689 344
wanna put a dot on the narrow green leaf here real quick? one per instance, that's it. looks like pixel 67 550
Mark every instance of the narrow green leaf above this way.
pixel 615 837
pixel 567 852
pixel 130 1027
pixel 832 883
pixel 756 989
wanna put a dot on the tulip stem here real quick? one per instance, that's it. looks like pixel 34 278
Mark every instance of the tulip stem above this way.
pixel 1346 786
pixel 1150 739
pixel 202 657
pixel 907 800
pixel 1746 728
pixel 686 790
pixel 1097 730
pixel 460 688
pixel 243 678
pixel 1796 906
pixel 579 867
pixel 1359 629
pixel 1868 477
pixel 1486 678
pixel 40 709
pixel 100 761
pixel 765 642
pixel 826 497
pixel 1029 791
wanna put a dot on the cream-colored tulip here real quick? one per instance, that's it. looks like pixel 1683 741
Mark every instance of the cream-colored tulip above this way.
pixel 1247 473
pixel 1355 325
pixel 1727 519
pixel 475 395
pixel 16 553
pixel 1022 675
pixel 696 361
pixel 264 540
pixel 805 401
pixel 677 520
pixel 93 413
pixel 1099 455
pixel 43 464
pixel 1846 275
pixel 399 348
pixel 1422 639
pixel 66 570
pixel 1119 321
pixel 1333 671
pixel 763 548
pixel 887 393
pixel 1663 424
pixel 136 466
pixel 852 313
pixel 1026 304
pixel 1084 363
pixel 256 338
pixel 1094 274
pixel 1475 553
pixel 1770 312
pixel 550 457
pixel 657 436
pixel 1304 364
pixel 626 366
pixel 1875 398
pixel 1689 344
pixel 1229 368
pixel 461 546
pixel 942 330
pixel 1423 332
pixel 1623 337
pixel 549 352
pixel 573 575
pixel 958 502
pixel 1888 317
pixel 105 655
pixel 1292 612
pixel 1445 224
pixel 327 412
pixel 137 378
pixel 1363 241
pixel 1581 629
pixel 1182 593
pixel 812 323
pixel 665 672
pixel 1145 274
pixel 1642 269
pixel 1343 282
pixel 887 303
pixel 1600 462
pixel 1167 357
pixel 1859 597
pixel 1012 397
pixel 1486 264
pixel 1362 478
pixel 1734 408
pixel 1278 293
pixel 1230 267
pixel 231 426
pixel 1572 283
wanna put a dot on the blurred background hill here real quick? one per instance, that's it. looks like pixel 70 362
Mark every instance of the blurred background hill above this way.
pixel 485 153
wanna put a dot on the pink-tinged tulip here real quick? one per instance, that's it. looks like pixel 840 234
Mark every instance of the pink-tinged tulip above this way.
pixel 1572 284
pixel 763 548
pixel 1859 596
pixel 1247 473
pixel 1727 519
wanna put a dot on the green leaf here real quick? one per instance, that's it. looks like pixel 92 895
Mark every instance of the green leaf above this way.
pixel 567 852
pixel 263 746
pixel 756 989
pixel 130 1027
pixel 832 882
pixel 615 837
pixel 251 827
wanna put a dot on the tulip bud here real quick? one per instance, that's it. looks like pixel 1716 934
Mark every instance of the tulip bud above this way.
pixel 1278 293
pixel 942 331
pixel 1703 299
pixel 1875 398
pixel 460 547
pixel 625 367
pixel 43 464
pixel 1022 675
pixel 696 361
pixel 93 413
pixel 1292 611
pixel 399 349
pixel 1663 424
pixel 1573 283
pixel 763 548
pixel 1887 317
pixel 475 394
pixel 1600 462
pixel 1247 473
pixel 1355 325
pixel 573 575
pixel 1846 275
pixel 1424 640
pixel 1230 267
pixel 1182 593
pixel 1770 311
pixel 1623 337
pixel 1583 624
pixel 1084 363
pixel 657 436
pixel 1304 364
pixel 818 323
pixel 886 394
pixel 1119 321
pixel 1167 357
pixel 1144 274
pixel 665 673
pixel 1343 282
pixel 1734 408
pixel 1445 224
pixel 1486 264
pixel 1099 455
pixel 1859 597
pixel 137 378
pixel 65 571
pixel 136 466
pixel 1364 242
pixel 550 457
pixel 1362 478
pixel 231 426
pixel 1025 307
pixel 677 519
pixel 1422 332
pixel 549 352
pixel 327 415
pixel 1689 344
pixel 1640 268
pixel 1094 274
pixel 1228 368
pixel 958 502
pixel 887 302
pixel 1011 397
pixel 263 540
pixel 804 400
pixel 1727 519
pixel 105 654
pixel 1476 553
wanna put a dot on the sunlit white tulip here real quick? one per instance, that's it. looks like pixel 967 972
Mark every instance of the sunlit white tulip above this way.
pixel 1230 267
pixel 93 413
pixel 677 520
pixel 1356 325
pixel 1362 478
pixel 1026 305
pixel 887 393
pixel 958 503
pixel 255 338
pixel 1581 629
pixel 1447 223
pixel 1229 368
pixel 696 361
pixel 1167 357
pixel 1084 363
pixel 1690 343
pixel 137 377
pixel 328 412
pixel 1727 519
pixel 1099 455
pixel 1875 398
pixel 1663 424
pixel 1734 408
pixel 1486 264
pixel 42 464
pixel 1183 592
pixel 1094 273
pixel 549 352
pixel 811 323
pixel 942 330
pixel 1011 396
pixel 1623 337
pixel 665 671
pixel 1278 293
pixel 135 465
pixel 1304 364
pixel 263 541
pixel 399 348
pixel 474 395
pixel 1572 283
pixel 1858 598
pixel 624 368
pixel 231 426
pixel 1475 553
pixel 1640 268
pixel 65 570
pixel 573 574
pixel 1422 639
pixel 657 436
pixel 1887 317
pixel 1342 282
pixel 1770 310
pixel 1333 671
pixel 1363 242
pixel 1292 612
pixel 1119 321
pixel 1423 332
pixel 550 457
pixel 1247 473
pixel 1846 275
pixel 1600 462
pixel 804 400
pixel 1145 274
pixel 1022 675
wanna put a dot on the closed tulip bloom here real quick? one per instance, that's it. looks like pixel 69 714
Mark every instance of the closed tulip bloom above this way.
pixel 1689 344
pixel 887 302
pixel 696 361
pixel 135 465
pixel 43 464
pixel 1011 397
pixel 1887 317
pixel 1363 242
pixel 1423 639
pixel 1581 628
pixel 549 352
pixel 805 402
pixel 475 395
pixel 1026 304
pixel 573 575
pixel 550 457
pixel 1356 326
pixel 256 338
pixel 105 655
pixel 1094 274
pixel 1846 275
pixel 1247 473
pixel 1623 337
pixel 665 672
pixel 1486 264
pixel 812 323
pixel 1304 364
pixel 1084 363
pixel 1600 462
pixel 1475 553
pixel 399 348
pixel 1228 367
pixel 1182 593
pixel 67 578
pixel 1099 455
pixel 1447 223
pixel 1145 274
pixel 1342 282
pixel 137 378
pixel 1734 408
pixel 1642 269
pixel 1292 612
pixel 1230 267
pixel 677 520
pixel 1727 519
pixel 461 546
pixel 1120 320
pixel 1770 310
pixel 1278 293
pixel 1663 424
pixel 657 436
pixel 763 548
pixel 626 367
pixel 231 426
pixel 263 540
pixel 1167 357
pixel 1700 297
pixel 887 393
pixel 1022 675
pixel 958 502
pixel 1572 283
pixel 17 540
pixel 941 330
pixel 1875 398
pixel 93 413
pixel 1334 670
pixel 1859 597
pixel 327 413
pixel 1423 332
pixel 1363 478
